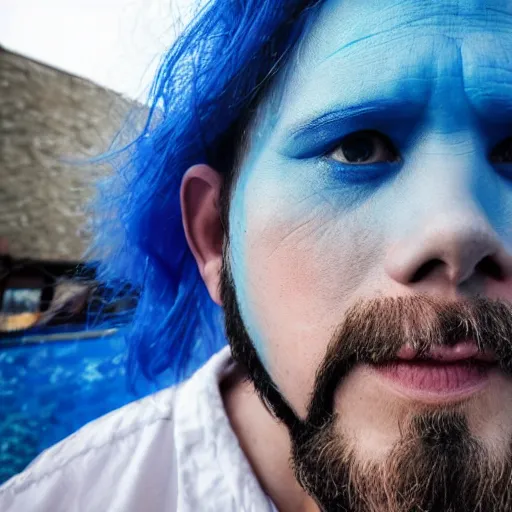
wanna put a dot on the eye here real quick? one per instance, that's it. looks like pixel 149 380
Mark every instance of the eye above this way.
pixel 502 152
pixel 365 147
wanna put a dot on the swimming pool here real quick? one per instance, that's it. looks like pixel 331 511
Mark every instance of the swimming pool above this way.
pixel 50 389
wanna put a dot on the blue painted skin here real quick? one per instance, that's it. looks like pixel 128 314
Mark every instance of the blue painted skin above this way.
pixel 434 78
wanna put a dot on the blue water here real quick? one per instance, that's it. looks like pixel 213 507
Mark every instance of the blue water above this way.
pixel 50 390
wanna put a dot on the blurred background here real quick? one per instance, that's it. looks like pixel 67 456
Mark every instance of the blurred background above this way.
pixel 70 74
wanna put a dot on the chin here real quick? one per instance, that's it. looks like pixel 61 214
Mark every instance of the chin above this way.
pixel 382 441
pixel 374 410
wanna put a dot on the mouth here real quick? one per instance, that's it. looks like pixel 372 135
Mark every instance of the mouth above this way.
pixel 443 374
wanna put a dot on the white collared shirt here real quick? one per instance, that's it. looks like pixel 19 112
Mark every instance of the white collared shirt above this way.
pixel 174 451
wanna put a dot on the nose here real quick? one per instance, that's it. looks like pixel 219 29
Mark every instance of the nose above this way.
pixel 450 249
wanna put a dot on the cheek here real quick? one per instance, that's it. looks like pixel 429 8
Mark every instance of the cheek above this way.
pixel 300 268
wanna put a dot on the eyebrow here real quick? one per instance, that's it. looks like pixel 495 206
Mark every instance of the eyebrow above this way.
pixel 493 102
pixel 307 136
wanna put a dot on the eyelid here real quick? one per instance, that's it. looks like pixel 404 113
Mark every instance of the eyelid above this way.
pixel 320 142
pixel 397 117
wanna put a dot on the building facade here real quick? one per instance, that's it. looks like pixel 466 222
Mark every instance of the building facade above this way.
pixel 51 123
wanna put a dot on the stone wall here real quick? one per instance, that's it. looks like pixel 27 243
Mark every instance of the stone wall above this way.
pixel 48 120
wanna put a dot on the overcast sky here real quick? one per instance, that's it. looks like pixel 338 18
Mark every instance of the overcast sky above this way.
pixel 115 43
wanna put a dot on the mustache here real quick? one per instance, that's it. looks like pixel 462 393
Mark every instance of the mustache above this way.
pixel 373 332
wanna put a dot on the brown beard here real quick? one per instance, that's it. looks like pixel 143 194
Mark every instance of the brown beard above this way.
pixel 437 465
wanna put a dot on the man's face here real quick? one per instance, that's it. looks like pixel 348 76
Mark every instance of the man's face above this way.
pixel 327 227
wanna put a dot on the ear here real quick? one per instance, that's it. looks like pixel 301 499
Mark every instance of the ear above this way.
pixel 200 211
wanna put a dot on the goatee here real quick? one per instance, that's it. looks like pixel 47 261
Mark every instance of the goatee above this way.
pixel 437 464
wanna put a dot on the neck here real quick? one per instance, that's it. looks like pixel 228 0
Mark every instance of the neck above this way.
pixel 266 444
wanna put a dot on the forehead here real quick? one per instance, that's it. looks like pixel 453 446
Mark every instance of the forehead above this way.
pixel 346 22
pixel 345 26
pixel 355 51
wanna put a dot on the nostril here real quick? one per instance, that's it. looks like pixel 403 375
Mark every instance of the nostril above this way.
pixel 489 267
pixel 426 269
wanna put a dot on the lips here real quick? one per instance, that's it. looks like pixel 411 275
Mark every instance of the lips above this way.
pixel 462 351
pixel 443 372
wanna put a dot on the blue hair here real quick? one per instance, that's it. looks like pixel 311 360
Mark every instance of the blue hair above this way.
pixel 201 99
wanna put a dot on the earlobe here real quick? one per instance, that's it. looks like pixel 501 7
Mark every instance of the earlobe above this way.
pixel 199 196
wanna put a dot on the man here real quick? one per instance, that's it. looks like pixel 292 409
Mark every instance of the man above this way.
pixel 344 172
